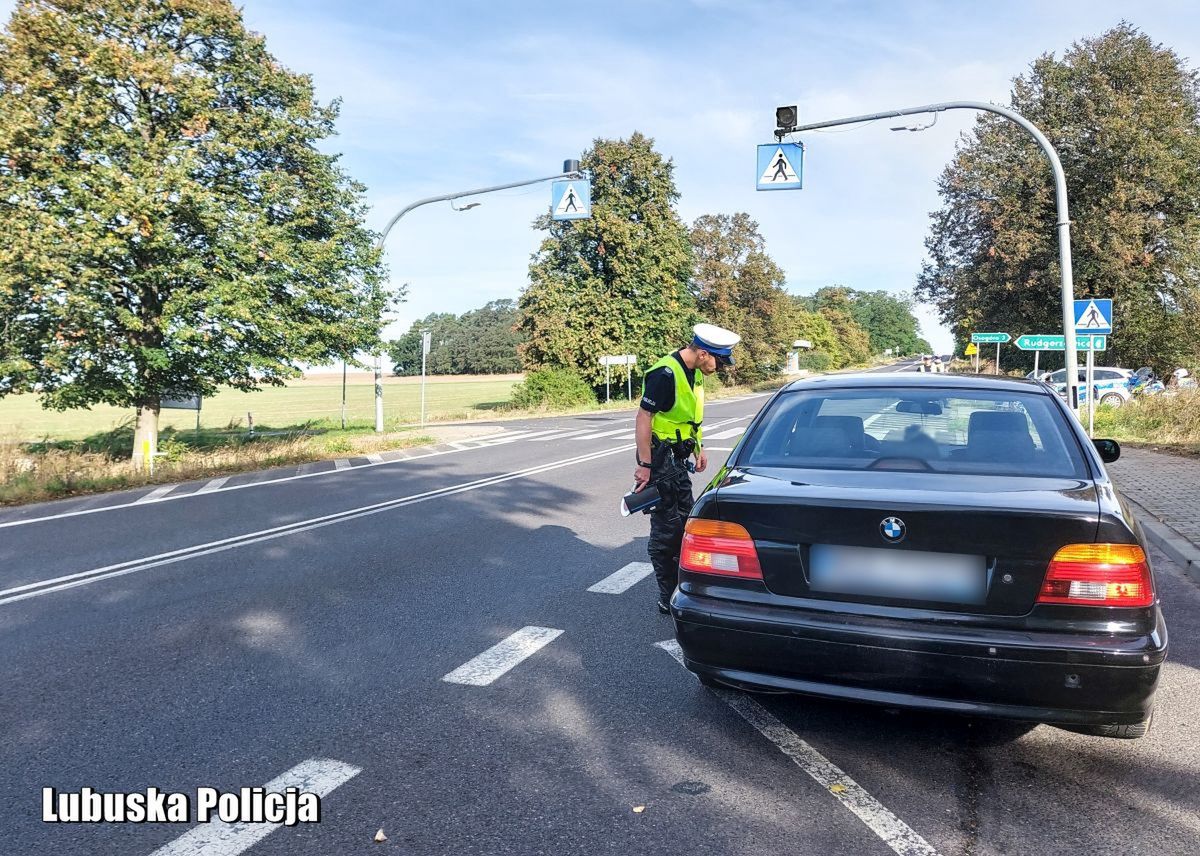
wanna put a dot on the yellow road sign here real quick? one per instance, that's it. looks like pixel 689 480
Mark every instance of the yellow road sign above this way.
pixel 971 350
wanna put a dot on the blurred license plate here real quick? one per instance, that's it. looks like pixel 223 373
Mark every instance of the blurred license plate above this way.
pixel 909 574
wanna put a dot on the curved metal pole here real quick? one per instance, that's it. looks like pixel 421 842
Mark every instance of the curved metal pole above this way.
pixel 1060 197
pixel 387 230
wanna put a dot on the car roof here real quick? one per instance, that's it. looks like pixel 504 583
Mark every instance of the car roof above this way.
pixel 899 380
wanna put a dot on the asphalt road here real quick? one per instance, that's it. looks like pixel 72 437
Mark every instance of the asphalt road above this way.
pixel 301 630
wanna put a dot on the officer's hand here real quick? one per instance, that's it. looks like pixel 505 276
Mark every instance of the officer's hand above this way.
pixel 701 462
pixel 641 478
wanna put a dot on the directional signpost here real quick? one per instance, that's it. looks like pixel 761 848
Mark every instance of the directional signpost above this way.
pixel 1038 342
pixel 571 199
pixel 780 167
pixel 987 339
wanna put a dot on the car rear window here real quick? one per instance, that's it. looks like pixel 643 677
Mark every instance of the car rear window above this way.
pixel 946 431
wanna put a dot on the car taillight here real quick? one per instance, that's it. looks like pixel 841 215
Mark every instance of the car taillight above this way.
pixel 714 547
pixel 1098 575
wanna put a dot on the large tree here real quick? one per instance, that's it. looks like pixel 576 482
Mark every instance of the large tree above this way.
pixel 1122 112
pixel 170 224
pixel 616 283
pixel 888 319
pixel 835 304
pixel 738 286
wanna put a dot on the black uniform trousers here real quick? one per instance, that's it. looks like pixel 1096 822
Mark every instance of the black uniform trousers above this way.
pixel 669 472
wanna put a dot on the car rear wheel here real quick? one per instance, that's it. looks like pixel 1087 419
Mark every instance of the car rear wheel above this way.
pixel 1113 399
pixel 1121 732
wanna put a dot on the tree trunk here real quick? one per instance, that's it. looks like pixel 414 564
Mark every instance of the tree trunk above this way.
pixel 145 438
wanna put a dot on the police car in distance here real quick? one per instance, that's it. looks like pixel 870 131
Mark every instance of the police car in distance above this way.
pixel 1111 384
pixel 938 542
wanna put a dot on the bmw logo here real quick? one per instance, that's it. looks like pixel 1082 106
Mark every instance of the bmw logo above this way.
pixel 892 529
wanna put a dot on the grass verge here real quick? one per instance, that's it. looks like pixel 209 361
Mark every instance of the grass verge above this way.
pixel 36 472
pixel 1167 423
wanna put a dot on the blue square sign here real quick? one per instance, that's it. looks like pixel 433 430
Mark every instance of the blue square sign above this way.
pixel 1093 315
pixel 571 199
pixel 780 167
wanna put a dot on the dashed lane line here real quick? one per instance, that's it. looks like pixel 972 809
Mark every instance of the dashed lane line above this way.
pixel 503 656
pixel 42 587
pixel 624 579
pixel 156 494
pixel 215 484
pixel 375 458
pixel 341 464
pixel 725 435
pixel 318 776
pixel 894 832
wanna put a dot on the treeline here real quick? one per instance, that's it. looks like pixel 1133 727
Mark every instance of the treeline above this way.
pixel 483 341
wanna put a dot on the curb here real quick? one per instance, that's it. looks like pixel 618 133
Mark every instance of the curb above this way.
pixel 1180 550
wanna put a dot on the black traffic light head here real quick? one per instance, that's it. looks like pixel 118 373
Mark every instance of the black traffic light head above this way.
pixel 570 166
pixel 785 118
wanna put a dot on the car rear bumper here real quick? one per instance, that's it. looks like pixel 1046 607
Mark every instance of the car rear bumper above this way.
pixel 1066 680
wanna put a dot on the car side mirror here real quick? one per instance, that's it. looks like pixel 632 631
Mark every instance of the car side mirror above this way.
pixel 1109 450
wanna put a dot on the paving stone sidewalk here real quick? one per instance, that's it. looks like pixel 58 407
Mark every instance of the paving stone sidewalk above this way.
pixel 1168 486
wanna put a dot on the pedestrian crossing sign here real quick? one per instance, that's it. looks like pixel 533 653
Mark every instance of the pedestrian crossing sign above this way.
pixel 571 199
pixel 1093 315
pixel 780 166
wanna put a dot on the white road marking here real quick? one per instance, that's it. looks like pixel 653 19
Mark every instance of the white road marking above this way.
pixel 156 494
pixel 375 458
pixel 341 464
pixel 523 435
pixel 624 579
pixel 894 832
pixel 495 661
pixel 627 428
pixel 217 838
pixel 459 446
pixel 215 484
pixel 82 578
pixel 558 436
pixel 725 435
pixel 718 448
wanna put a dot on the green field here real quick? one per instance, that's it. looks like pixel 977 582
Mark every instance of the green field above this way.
pixel 318 398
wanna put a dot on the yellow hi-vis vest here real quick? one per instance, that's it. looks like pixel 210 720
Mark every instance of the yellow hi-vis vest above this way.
pixel 682 421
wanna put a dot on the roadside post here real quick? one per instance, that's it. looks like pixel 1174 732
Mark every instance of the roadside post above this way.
pixel 574 204
pixel 425 339
pixel 989 338
pixel 786 124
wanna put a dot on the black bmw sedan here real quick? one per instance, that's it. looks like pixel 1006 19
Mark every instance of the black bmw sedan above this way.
pixel 928 541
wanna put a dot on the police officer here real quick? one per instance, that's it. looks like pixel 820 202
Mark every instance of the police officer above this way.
pixel 669 435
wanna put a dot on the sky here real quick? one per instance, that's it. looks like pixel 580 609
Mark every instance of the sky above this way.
pixel 438 97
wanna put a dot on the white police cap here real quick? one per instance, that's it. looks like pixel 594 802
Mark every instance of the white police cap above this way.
pixel 716 340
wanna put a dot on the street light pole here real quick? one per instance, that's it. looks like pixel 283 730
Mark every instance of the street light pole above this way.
pixel 570 170
pixel 1060 196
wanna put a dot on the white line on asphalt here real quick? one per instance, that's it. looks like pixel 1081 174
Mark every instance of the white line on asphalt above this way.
pixel 307 475
pixel 341 464
pixel 495 661
pixel 895 833
pixel 725 435
pixel 217 838
pixel 610 433
pixel 718 448
pixel 375 458
pixel 215 484
pixel 523 435
pixel 624 579
pixel 558 436
pixel 156 494
pixel 42 587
